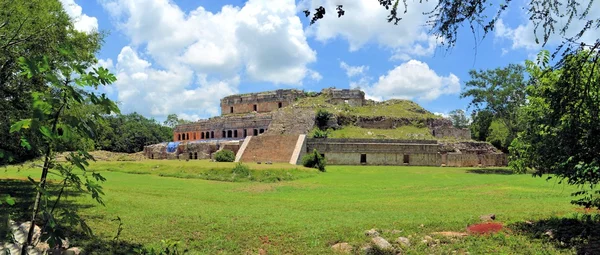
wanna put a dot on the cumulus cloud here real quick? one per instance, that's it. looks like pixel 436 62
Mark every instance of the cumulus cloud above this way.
pixel 81 21
pixel 365 21
pixel 523 37
pixel 412 80
pixel 205 54
pixel 157 92
pixel 352 71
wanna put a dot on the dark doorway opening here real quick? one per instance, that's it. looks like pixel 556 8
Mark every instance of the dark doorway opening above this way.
pixel 212 134
pixel 235 133
pixel 195 155
pixel 152 156
pixel 245 132
pixel 231 109
pixel 255 108
pixel 255 132
pixel 224 134
pixel 406 159
pixel 363 159
pixel 229 134
pixel 280 105
pixel 261 131
pixel 202 135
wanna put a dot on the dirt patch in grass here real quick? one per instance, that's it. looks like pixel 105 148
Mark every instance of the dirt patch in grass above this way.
pixel 485 228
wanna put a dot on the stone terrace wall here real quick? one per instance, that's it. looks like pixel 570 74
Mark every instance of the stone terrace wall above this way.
pixel 259 102
pixel 382 122
pixel 353 97
pixel 274 148
pixel 458 133
pixel 190 150
pixel 240 126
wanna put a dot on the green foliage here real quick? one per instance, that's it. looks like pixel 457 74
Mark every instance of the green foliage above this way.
pixel 482 120
pixel 402 132
pixel 69 86
pixel 130 133
pixel 322 117
pixel 314 160
pixel 500 93
pixel 241 170
pixel 459 119
pixel 225 156
pixel 499 135
pixel 172 121
pixel 35 29
pixel 563 125
pixel 318 133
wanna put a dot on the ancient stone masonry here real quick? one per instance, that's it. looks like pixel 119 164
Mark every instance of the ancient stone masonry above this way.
pixel 353 97
pixel 259 102
pixel 261 127
pixel 405 152
pixel 233 126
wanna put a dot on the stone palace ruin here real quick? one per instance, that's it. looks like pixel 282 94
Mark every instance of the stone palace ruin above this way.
pixel 273 126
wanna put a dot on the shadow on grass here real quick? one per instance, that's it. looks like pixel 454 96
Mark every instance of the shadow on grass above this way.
pixel 491 171
pixel 580 232
pixel 24 193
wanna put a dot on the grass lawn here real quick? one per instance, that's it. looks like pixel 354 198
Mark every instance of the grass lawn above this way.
pixel 403 132
pixel 308 215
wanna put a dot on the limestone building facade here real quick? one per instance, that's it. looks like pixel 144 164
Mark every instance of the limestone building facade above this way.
pixel 259 102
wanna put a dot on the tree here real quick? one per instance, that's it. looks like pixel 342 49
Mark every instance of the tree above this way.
pixel 563 125
pixel 499 92
pixel 69 88
pixel 32 29
pixel 130 133
pixel 173 120
pixel 482 120
pixel 458 118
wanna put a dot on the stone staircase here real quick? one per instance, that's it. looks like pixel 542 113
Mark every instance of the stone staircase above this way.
pixel 274 148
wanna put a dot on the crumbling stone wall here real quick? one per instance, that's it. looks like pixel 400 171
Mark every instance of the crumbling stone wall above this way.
pixel 225 127
pixel 451 132
pixel 353 97
pixel 292 121
pixel 189 150
pixel 259 102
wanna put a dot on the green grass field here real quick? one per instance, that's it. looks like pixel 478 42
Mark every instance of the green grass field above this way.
pixel 309 214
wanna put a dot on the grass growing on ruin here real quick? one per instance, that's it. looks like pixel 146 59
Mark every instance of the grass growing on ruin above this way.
pixel 391 108
pixel 308 215
pixel 403 132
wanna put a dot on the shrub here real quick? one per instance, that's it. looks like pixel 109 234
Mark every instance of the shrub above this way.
pixel 314 160
pixel 318 133
pixel 322 117
pixel 241 170
pixel 225 156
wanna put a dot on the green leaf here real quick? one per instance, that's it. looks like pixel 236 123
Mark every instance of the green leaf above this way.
pixel 22 124
pixel 46 132
pixel 25 144
pixel 9 200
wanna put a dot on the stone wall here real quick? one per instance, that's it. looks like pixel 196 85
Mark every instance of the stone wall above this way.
pixel 451 132
pixel 292 121
pixel 189 150
pixel 353 97
pixel 405 152
pixel 259 102
pixel 226 127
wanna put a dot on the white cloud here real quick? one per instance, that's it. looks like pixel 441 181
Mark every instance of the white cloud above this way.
pixel 157 92
pixel 442 114
pixel 523 36
pixel 365 21
pixel 265 38
pixel 352 71
pixel 412 80
pixel 261 41
pixel 81 21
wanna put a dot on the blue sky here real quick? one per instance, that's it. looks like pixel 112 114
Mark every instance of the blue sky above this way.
pixel 183 56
